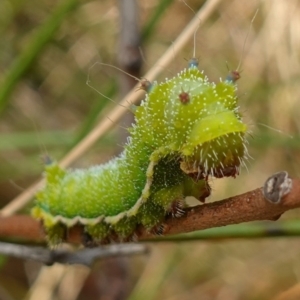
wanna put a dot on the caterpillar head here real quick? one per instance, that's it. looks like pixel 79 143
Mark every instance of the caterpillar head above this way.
pixel 198 120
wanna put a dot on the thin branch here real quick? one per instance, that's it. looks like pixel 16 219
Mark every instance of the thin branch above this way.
pixel 115 115
pixel 129 57
pixel 287 228
pixel 84 257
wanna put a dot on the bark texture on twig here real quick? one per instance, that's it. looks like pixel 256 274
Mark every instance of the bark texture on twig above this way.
pixel 251 206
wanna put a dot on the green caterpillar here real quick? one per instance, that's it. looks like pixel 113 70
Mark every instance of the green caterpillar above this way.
pixel 185 130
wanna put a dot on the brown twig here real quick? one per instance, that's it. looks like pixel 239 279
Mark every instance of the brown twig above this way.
pixel 251 206
pixel 278 195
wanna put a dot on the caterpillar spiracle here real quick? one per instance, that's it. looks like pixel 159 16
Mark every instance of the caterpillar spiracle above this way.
pixel 186 130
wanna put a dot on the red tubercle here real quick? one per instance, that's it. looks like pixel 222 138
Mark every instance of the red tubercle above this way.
pixel 233 76
pixel 184 97
pixel 145 85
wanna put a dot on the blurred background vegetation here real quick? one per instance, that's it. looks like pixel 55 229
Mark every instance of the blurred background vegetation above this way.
pixel 47 49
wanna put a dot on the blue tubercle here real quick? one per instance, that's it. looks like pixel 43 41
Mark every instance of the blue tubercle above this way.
pixel 193 63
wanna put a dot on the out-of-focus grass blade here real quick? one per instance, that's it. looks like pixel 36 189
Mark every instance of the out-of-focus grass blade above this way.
pixel 30 54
